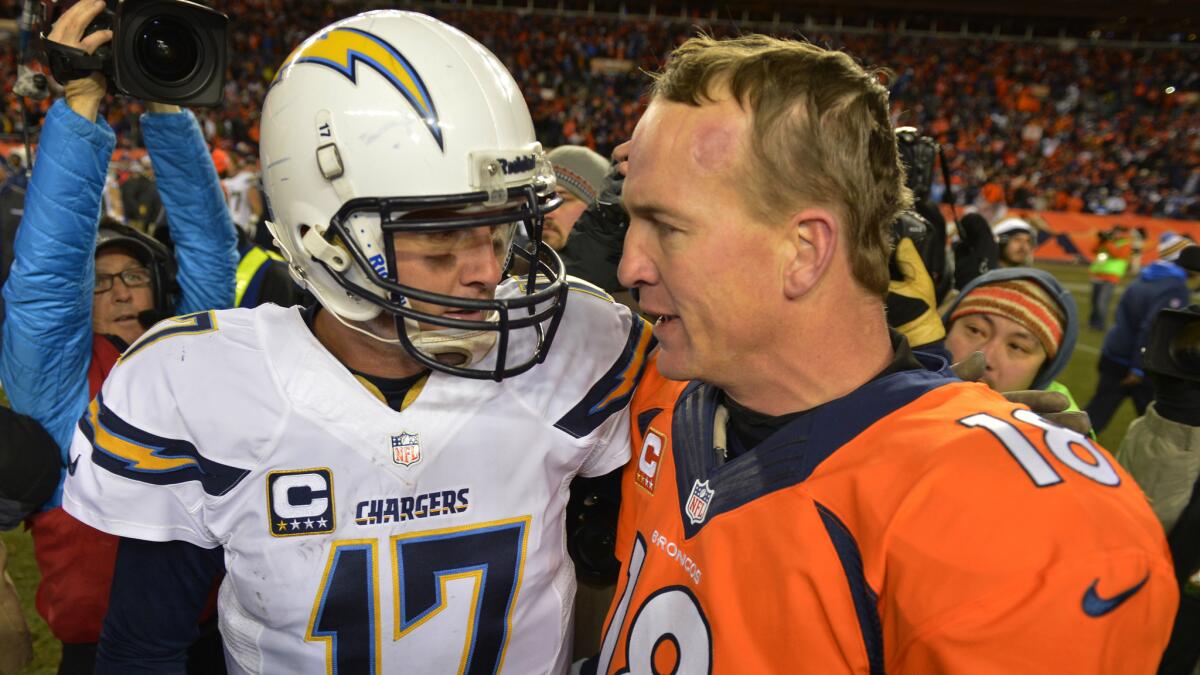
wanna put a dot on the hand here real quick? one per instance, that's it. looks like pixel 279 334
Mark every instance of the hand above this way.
pixel 1049 404
pixel 911 299
pixel 972 368
pixel 83 95
pixel 156 107
pixel 1052 406
pixel 1131 379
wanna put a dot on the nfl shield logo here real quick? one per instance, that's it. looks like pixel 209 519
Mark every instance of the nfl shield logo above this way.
pixel 406 449
pixel 698 501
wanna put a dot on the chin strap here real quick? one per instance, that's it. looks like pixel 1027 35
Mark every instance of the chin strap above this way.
pixel 460 348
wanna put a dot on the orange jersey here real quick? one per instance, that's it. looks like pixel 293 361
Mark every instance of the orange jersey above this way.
pixel 918 525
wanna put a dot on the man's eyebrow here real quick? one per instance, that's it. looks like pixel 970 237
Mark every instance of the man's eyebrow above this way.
pixel 651 209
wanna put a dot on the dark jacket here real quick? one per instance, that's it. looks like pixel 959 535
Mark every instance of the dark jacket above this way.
pixel 1160 285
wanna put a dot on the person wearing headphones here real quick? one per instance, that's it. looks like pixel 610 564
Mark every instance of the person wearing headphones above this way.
pixel 79 293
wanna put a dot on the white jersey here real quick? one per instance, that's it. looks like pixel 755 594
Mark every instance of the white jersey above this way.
pixel 358 538
pixel 237 197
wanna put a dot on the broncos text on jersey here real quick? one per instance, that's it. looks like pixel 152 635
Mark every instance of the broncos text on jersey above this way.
pixel 359 539
pixel 918 525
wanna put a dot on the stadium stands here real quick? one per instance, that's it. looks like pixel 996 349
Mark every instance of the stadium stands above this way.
pixel 1028 124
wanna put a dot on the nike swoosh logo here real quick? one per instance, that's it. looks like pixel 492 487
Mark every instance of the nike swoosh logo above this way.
pixel 72 464
pixel 1096 606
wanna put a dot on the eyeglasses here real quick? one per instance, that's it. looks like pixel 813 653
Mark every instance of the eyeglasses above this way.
pixel 132 278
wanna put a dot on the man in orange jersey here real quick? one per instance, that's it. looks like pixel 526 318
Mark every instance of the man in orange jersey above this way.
pixel 807 495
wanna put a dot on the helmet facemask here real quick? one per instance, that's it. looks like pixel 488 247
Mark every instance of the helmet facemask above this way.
pixel 366 228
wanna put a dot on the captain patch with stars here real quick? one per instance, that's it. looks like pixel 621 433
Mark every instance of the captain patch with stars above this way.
pixel 300 502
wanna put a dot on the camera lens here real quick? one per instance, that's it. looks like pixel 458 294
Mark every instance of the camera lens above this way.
pixel 167 50
pixel 1185 346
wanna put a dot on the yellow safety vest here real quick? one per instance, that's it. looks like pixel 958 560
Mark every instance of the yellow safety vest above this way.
pixel 1107 264
pixel 254 259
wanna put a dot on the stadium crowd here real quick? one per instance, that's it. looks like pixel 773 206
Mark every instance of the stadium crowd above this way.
pixel 1089 129
pixel 134 529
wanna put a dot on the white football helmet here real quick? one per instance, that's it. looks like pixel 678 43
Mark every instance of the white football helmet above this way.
pixel 378 118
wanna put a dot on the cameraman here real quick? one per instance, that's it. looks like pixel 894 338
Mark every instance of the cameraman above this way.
pixel 62 311
pixel 1162 452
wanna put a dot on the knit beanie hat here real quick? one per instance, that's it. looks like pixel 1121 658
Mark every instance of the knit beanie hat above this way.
pixel 1170 245
pixel 1023 301
pixel 579 170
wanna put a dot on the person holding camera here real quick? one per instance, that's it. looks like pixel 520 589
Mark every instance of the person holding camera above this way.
pixel 1162 284
pixel 76 297
pixel 1162 452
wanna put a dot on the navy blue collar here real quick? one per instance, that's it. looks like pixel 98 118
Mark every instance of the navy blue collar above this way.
pixel 792 453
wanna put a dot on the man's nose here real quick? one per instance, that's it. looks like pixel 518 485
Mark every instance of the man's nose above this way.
pixel 480 263
pixel 637 268
pixel 120 290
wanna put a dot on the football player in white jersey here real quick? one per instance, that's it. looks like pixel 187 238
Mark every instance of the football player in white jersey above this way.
pixel 382 478
pixel 243 198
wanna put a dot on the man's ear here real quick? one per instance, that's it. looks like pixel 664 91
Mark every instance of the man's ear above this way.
pixel 813 235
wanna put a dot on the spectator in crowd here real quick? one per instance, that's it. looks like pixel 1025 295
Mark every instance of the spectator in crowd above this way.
pixel 242 193
pixel 16 169
pixel 142 206
pixel 761 238
pixel 262 274
pixel 580 173
pixel 1015 238
pixel 1160 285
pixel 1025 125
pixel 1113 252
pixel 1023 321
pixel 63 294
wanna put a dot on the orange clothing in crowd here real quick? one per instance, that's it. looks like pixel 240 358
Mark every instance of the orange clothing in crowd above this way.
pixel 993 193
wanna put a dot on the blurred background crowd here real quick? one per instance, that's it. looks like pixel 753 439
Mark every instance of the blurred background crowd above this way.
pixel 1073 145
pixel 1061 124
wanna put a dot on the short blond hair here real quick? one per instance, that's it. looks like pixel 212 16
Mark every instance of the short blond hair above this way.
pixel 821 134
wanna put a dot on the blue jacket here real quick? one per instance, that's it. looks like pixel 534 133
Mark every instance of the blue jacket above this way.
pixel 47 335
pixel 1160 285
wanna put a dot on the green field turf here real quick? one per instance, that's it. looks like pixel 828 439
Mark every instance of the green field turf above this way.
pixel 1080 377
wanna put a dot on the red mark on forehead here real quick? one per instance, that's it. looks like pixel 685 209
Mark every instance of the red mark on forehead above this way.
pixel 715 145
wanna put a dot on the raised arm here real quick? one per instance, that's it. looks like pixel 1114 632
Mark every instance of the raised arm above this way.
pixel 205 241
pixel 47 335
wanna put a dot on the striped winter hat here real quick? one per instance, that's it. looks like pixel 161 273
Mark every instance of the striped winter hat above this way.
pixel 1171 244
pixel 579 170
pixel 1021 300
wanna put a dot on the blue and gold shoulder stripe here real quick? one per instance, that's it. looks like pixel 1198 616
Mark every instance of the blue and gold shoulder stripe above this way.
pixel 196 323
pixel 128 451
pixel 614 390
